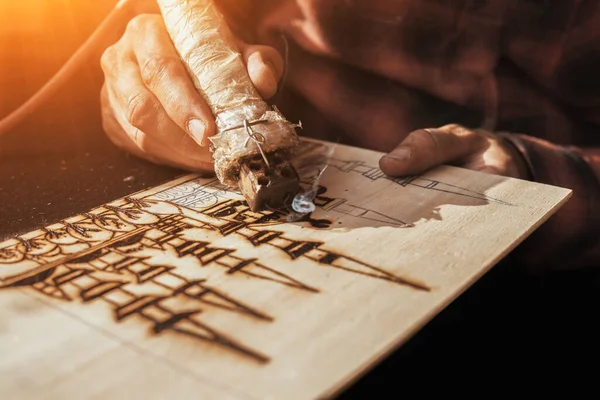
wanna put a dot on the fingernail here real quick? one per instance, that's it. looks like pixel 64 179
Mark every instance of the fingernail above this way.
pixel 197 130
pixel 400 153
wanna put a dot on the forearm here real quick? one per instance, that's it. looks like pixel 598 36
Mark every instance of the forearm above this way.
pixel 570 238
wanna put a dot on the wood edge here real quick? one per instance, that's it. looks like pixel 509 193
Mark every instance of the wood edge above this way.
pixel 154 189
pixel 145 192
pixel 420 323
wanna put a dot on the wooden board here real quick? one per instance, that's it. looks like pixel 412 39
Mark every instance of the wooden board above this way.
pixel 182 292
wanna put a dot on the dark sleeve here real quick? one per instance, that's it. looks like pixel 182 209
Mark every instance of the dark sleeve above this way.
pixel 571 237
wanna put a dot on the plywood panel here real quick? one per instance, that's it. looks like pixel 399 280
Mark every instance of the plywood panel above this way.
pixel 182 291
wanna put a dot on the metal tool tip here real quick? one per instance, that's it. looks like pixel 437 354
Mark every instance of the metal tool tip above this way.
pixel 268 185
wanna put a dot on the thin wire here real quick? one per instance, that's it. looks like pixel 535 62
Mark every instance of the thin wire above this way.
pixel 258 138
pixel 257 122
pixel 286 57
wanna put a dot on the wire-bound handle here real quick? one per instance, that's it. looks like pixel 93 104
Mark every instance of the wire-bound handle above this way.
pixel 208 49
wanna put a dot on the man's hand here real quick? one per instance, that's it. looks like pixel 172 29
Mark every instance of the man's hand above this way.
pixel 149 104
pixel 454 145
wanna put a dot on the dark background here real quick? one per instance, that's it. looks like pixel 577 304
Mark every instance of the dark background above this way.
pixel 512 330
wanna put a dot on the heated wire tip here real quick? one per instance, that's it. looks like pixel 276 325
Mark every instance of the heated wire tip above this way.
pixel 270 184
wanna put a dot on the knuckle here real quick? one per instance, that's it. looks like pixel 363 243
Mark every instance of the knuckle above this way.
pixel 142 23
pixel 457 130
pixel 142 142
pixel 152 21
pixel 112 131
pixel 106 109
pixel 137 23
pixel 104 96
pixel 139 109
pixel 450 127
pixel 108 59
pixel 139 140
pixel 431 142
pixel 429 137
pixel 157 67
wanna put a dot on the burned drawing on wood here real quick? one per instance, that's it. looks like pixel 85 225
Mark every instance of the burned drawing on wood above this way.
pixel 151 256
pixel 307 161
pixel 102 254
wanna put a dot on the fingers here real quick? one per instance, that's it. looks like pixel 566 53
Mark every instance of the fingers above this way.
pixel 142 145
pixel 500 158
pixel 150 126
pixel 142 110
pixel 115 131
pixel 150 104
pixel 138 124
pixel 265 67
pixel 426 148
pixel 165 75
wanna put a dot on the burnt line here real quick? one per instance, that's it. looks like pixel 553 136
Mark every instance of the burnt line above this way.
pixel 217 338
pixel 379 273
pixel 351 166
pixel 65 260
pixel 291 282
pixel 203 379
pixel 206 290
pixel 482 196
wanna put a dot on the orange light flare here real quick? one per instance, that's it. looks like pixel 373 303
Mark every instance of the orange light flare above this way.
pixel 37 37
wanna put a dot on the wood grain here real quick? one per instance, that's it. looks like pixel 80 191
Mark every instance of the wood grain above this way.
pixel 181 291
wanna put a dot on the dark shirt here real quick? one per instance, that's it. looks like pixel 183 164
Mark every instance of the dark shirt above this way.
pixel 368 72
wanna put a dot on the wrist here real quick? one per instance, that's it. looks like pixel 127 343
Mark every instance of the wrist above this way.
pixel 519 155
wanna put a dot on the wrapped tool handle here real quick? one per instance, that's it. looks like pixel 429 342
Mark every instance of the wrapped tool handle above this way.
pixel 246 125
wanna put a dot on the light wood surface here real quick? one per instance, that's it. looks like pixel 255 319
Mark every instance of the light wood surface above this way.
pixel 181 292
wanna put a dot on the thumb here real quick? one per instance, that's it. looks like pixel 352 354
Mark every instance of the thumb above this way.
pixel 427 148
pixel 265 67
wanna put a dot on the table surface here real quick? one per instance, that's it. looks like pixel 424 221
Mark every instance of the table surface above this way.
pixel 52 168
